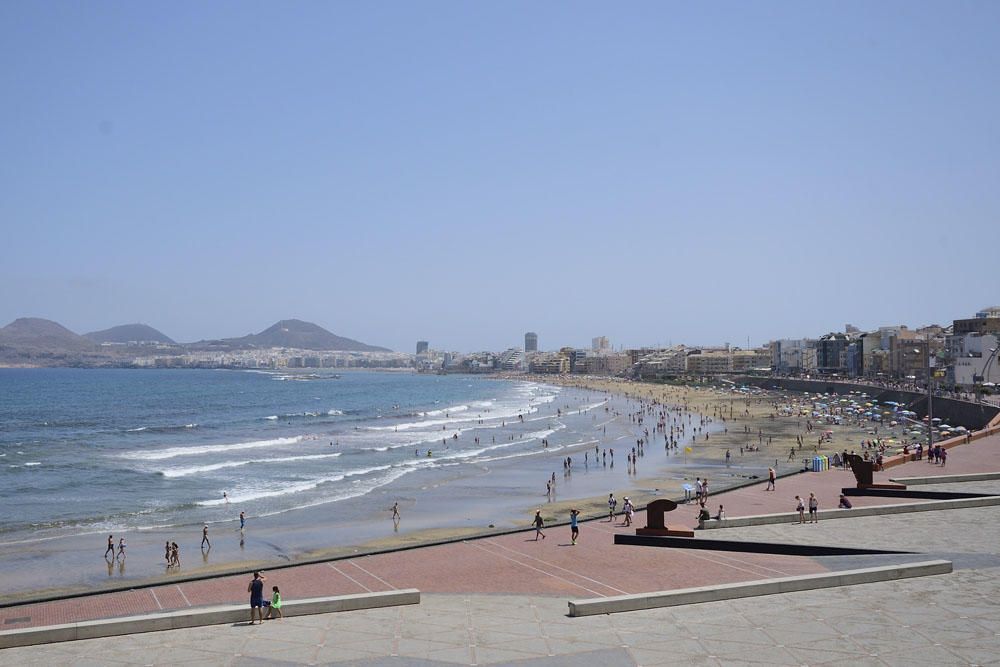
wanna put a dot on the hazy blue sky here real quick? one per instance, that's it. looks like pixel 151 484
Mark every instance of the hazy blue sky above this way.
pixel 465 171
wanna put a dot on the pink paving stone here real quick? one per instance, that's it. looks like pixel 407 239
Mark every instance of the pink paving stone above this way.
pixel 516 564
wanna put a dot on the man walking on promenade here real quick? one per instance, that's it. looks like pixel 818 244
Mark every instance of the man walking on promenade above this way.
pixel 800 507
pixel 539 523
pixel 574 524
pixel 770 479
pixel 612 504
pixel 813 508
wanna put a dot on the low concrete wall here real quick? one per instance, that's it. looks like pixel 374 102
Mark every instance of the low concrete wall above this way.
pixel 611 605
pixel 947 479
pixel 877 510
pixel 189 618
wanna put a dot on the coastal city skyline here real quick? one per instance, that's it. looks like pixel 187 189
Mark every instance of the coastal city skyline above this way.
pixel 959 356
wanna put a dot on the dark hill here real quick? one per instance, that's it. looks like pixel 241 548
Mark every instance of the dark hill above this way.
pixel 129 333
pixel 300 335
pixel 37 334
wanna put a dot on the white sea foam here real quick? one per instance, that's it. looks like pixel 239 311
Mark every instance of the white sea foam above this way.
pixel 136 430
pixel 271 417
pixel 195 470
pixel 173 452
pixel 284 489
pixel 443 411
pixel 32 463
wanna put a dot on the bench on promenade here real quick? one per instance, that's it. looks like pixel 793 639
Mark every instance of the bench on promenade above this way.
pixel 199 616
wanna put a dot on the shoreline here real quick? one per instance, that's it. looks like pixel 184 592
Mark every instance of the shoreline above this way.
pixel 510 512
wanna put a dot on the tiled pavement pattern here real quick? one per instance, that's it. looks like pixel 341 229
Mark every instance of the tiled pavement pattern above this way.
pixel 503 599
pixel 946 620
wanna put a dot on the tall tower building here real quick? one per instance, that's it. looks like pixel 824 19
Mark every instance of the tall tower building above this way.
pixel 422 347
pixel 531 342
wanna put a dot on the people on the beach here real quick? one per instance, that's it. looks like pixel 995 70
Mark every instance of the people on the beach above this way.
pixel 167 553
pixel 111 547
pixel 539 523
pixel 574 525
pixel 274 607
pixel 175 554
pixel 800 507
pixel 204 537
pixel 256 590
pixel 243 521
pixel 121 549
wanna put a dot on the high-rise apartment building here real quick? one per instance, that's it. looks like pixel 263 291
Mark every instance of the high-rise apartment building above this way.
pixel 422 346
pixel 531 342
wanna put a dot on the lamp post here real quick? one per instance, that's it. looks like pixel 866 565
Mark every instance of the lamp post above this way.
pixel 930 398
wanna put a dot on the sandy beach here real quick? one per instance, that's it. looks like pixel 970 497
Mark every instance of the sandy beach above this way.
pixel 449 504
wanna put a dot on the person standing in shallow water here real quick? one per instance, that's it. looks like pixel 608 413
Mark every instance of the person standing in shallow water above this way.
pixel 204 537
pixel 111 547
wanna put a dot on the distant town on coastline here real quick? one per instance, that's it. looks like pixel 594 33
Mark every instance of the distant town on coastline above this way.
pixel 961 355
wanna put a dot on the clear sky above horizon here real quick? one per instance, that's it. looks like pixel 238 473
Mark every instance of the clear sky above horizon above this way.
pixel 465 172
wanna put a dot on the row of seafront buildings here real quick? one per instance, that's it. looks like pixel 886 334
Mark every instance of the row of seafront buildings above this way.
pixel 961 355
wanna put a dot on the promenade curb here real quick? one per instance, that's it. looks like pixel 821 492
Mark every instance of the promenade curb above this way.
pixel 874 510
pixel 195 617
pixel 621 603
pixel 946 479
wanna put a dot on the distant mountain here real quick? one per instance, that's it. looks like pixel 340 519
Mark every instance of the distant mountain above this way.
pixel 129 333
pixel 300 335
pixel 35 333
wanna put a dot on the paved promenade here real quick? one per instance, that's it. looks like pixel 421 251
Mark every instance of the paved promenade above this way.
pixel 504 598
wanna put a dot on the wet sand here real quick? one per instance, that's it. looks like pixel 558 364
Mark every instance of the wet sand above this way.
pixel 448 504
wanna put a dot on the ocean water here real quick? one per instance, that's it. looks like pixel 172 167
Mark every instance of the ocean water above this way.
pixel 86 451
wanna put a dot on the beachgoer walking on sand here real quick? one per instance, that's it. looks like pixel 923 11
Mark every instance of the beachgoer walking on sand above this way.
pixel 243 521
pixel 274 606
pixel 539 523
pixel 800 507
pixel 256 590
pixel 175 554
pixel 204 537
pixel 166 554
pixel 770 479
pixel 121 548
pixel 574 526
pixel 395 514
pixel 813 508
pixel 111 547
